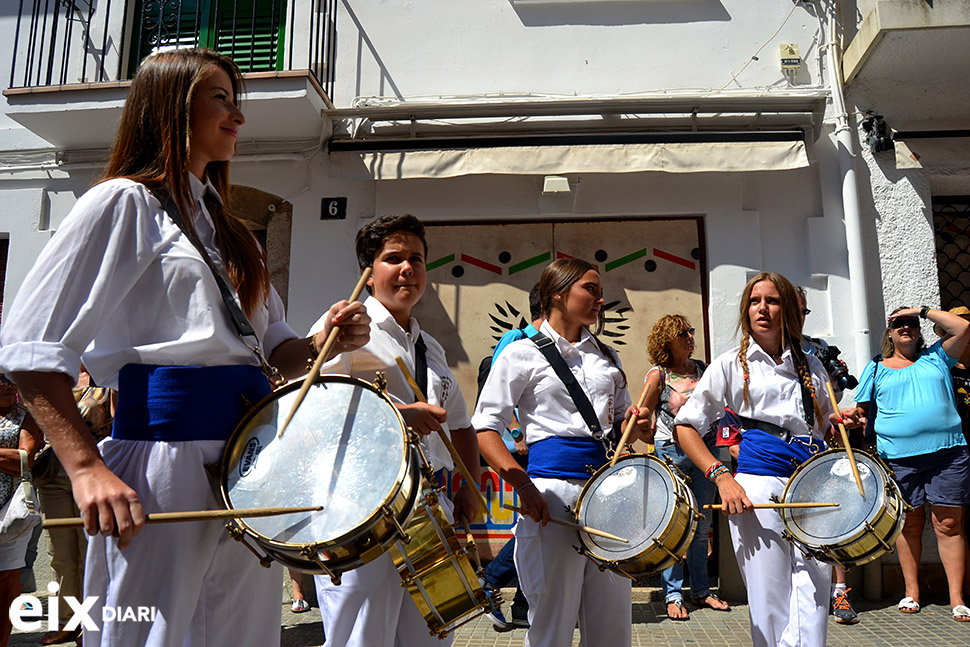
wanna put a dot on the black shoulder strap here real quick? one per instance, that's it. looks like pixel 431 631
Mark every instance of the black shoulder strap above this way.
pixel 239 319
pixel 548 348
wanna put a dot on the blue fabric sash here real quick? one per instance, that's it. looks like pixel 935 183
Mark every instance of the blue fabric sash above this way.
pixel 181 403
pixel 565 457
pixel 765 454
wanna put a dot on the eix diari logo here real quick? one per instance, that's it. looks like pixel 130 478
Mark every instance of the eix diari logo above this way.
pixel 28 606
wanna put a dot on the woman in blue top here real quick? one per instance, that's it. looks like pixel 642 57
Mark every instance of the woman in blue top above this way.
pixel 918 434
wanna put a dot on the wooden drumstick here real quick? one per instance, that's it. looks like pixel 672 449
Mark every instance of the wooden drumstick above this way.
pixel 322 355
pixel 192 515
pixel 576 526
pixel 845 440
pixel 459 463
pixel 470 546
pixel 762 506
pixel 629 426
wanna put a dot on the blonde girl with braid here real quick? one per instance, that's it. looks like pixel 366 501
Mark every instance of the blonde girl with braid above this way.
pixel 773 387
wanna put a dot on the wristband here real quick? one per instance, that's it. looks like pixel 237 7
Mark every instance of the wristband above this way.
pixel 923 311
pixel 314 353
pixel 523 487
pixel 715 470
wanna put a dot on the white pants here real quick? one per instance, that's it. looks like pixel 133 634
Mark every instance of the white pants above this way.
pixel 788 594
pixel 562 586
pixel 370 608
pixel 207 589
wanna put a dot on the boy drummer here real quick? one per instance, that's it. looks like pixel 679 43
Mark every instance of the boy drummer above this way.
pixel 370 607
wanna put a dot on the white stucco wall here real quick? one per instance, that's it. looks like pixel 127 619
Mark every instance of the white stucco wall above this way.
pixel 460 47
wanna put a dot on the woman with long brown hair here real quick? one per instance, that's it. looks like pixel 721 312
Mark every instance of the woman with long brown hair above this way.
pixel 773 386
pixel 560 585
pixel 130 283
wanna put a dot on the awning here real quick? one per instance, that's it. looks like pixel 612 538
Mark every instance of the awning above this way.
pixel 670 157
pixel 932 149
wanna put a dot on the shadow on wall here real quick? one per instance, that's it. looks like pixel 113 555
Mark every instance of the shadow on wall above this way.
pixel 365 44
pixel 605 12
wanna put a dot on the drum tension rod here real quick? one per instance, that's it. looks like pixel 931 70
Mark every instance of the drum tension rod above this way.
pixel 673 466
pixel 405 538
pixel 656 542
pixel 881 541
pixel 790 537
pixel 239 535
pixel 826 551
pixel 310 552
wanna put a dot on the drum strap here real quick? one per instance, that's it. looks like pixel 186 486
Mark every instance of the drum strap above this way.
pixel 421 364
pixel 767 427
pixel 548 349
pixel 239 321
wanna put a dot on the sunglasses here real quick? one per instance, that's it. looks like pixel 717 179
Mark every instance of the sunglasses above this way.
pixel 686 333
pixel 906 322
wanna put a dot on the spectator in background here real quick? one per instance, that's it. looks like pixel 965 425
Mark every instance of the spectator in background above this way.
pixel 501 569
pixel 672 380
pixel 919 436
pixel 18 432
pixel 961 387
pixel 841 608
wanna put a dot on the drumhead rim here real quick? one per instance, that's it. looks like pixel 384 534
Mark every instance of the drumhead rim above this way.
pixel 409 461
pixel 847 537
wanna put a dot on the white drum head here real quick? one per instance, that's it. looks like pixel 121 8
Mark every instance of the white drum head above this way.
pixel 635 500
pixel 828 478
pixel 343 450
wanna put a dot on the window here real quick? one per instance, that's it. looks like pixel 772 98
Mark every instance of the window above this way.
pixel 249 31
pixel 951 221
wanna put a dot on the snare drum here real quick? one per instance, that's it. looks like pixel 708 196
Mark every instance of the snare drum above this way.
pixel 861 528
pixel 640 499
pixel 346 450
pixel 436 570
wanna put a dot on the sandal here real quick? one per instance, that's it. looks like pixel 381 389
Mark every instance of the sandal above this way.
pixel 908 605
pixel 300 606
pixel 961 613
pixel 61 636
pixel 706 602
pixel 680 610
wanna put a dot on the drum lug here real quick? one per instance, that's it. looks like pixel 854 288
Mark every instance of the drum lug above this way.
pixel 239 535
pixel 311 553
pixel 380 381
pixel 405 538
pixel 591 468
pixel 774 498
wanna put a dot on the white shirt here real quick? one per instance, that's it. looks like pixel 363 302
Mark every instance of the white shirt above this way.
pixel 774 392
pixel 118 284
pixel 522 377
pixel 389 341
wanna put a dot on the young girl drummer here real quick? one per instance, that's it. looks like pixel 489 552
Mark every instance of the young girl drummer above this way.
pixel 772 385
pixel 560 584
pixel 124 287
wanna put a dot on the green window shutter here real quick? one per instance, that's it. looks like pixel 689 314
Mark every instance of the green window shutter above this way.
pixel 249 31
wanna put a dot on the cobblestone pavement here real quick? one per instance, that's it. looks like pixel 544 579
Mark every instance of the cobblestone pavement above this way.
pixel 881 625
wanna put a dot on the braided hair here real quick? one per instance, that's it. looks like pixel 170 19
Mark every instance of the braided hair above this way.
pixel 791 332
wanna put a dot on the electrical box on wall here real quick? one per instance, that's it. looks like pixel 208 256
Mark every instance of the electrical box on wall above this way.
pixel 790 58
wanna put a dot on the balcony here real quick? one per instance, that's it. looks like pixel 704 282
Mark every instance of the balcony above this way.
pixel 908 60
pixel 73 60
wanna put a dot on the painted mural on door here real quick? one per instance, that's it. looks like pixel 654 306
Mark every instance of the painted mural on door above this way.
pixel 479 277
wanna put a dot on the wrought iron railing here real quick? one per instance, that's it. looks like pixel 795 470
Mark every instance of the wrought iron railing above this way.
pixel 951 221
pixel 64 42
